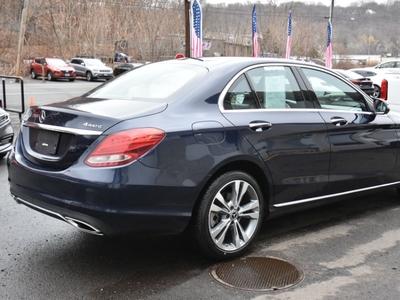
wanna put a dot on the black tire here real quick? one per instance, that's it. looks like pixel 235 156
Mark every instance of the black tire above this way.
pixel 33 74
pixel 89 76
pixel 71 79
pixel 224 228
pixel 377 91
pixel 2 155
pixel 49 76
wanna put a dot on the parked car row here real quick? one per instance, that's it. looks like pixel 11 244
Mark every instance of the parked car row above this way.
pixel 83 66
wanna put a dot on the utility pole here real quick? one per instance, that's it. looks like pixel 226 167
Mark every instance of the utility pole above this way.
pixel 187 28
pixel 22 30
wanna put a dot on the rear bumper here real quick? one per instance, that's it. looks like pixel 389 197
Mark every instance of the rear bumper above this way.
pixel 62 76
pixel 103 75
pixel 83 226
pixel 108 203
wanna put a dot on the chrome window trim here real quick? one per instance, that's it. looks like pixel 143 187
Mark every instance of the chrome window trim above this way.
pixel 74 131
pixel 230 83
pixel 228 86
pixel 289 110
pixel 334 195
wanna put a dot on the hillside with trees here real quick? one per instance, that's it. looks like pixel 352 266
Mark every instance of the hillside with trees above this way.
pixel 152 30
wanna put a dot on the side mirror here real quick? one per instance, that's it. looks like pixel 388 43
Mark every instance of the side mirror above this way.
pixel 381 106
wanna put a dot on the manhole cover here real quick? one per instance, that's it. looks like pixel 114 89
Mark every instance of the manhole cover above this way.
pixel 257 273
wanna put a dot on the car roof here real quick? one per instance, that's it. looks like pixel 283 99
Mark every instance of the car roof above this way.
pixel 238 62
pixel 88 58
pixel 36 57
pixel 85 58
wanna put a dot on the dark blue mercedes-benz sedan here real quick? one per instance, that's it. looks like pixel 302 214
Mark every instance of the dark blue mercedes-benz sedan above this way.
pixel 212 146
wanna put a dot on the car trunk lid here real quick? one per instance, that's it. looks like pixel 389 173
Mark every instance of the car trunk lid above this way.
pixel 55 136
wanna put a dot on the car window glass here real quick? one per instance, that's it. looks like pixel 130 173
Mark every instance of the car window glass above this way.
pixel 333 93
pixel 240 95
pixel 94 63
pixel 56 62
pixel 157 83
pixel 388 65
pixel 276 87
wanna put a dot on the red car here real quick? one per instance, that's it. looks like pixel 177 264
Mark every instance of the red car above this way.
pixel 52 68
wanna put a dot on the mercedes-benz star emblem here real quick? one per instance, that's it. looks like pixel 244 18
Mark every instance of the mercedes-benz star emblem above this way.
pixel 42 116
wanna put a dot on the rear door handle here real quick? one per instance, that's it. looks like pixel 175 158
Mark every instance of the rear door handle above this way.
pixel 260 125
pixel 339 121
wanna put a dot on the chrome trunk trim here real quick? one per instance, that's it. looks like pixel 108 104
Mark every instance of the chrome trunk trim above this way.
pixel 74 131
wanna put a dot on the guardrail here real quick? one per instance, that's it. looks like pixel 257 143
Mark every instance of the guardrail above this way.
pixel 4 99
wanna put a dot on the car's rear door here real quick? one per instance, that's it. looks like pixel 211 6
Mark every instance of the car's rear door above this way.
pixel 39 66
pixel 364 144
pixel 269 107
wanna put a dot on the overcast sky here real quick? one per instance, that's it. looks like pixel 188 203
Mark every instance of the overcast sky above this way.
pixel 326 2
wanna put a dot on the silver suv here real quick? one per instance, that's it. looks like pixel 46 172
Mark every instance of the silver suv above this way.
pixel 91 68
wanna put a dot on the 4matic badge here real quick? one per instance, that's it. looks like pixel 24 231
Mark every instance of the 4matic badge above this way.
pixel 87 124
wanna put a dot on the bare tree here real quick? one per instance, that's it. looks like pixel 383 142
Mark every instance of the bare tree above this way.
pixel 152 30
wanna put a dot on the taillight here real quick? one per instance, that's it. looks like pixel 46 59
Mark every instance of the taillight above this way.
pixel 356 81
pixel 124 147
pixel 384 89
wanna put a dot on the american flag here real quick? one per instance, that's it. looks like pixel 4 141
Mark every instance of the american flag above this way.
pixel 328 59
pixel 197 43
pixel 255 41
pixel 289 35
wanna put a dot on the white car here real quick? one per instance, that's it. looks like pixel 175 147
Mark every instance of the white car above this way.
pixel 390 91
pixel 91 68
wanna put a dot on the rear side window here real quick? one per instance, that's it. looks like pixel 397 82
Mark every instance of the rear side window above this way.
pixel 240 95
pixel 333 93
pixel 268 87
pixel 391 64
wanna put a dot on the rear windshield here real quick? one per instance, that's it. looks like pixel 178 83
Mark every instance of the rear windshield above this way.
pixel 153 82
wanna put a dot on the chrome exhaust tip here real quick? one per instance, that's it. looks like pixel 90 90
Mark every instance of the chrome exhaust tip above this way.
pixel 83 226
